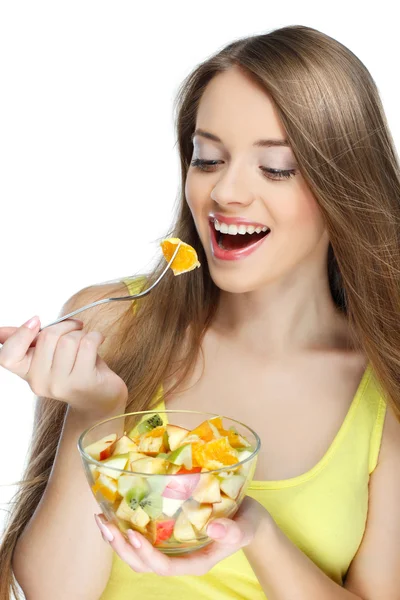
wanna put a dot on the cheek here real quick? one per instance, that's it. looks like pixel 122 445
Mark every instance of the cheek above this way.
pixel 299 212
pixel 195 200
pixel 191 193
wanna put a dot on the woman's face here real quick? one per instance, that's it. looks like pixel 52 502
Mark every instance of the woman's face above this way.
pixel 239 112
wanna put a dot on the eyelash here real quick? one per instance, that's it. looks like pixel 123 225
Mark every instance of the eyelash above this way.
pixel 201 164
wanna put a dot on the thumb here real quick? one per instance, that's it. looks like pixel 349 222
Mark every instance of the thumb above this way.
pixel 227 531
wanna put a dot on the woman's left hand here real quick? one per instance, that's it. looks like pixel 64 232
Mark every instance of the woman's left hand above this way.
pixel 229 536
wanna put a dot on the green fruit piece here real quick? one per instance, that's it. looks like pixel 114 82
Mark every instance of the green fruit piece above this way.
pixel 152 505
pixel 182 456
pixel 149 424
pixel 157 483
pixel 162 455
pixel 128 482
pixel 136 494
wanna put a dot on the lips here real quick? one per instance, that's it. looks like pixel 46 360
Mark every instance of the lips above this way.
pixel 235 254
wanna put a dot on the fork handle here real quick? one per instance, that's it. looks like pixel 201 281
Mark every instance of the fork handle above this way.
pixel 105 300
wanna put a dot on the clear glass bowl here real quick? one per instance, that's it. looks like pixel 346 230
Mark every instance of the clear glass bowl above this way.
pixel 171 509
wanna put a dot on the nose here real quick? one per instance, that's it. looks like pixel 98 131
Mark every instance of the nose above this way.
pixel 231 189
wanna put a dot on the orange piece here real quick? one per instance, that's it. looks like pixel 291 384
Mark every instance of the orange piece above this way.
pixel 236 440
pixel 234 437
pixel 217 421
pixel 186 259
pixel 156 432
pixel 215 454
pixel 108 493
pixel 195 447
pixel 204 432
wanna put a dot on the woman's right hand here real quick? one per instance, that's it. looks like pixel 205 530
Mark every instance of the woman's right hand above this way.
pixel 62 362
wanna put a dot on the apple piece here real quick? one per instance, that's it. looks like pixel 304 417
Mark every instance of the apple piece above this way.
pixel 215 431
pixel 124 511
pixel 207 490
pixel 231 486
pixel 245 468
pixel 93 470
pixel 102 448
pixel 150 465
pixel 136 455
pixel 161 530
pixel 172 469
pixel 196 513
pixel 125 444
pixel 171 505
pixel 225 508
pixel 106 486
pixel 183 529
pixel 140 519
pixel 225 474
pixel 153 442
pixel 182 456
pixel 127 482
pixel 175 435
pixel 190 439
pixel 185 471
pixel 181 487
pixel 116 461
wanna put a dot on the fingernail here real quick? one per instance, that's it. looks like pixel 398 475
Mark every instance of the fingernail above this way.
pixel 136 543
pixel 216 530
pixel 105 531
pixel 32 323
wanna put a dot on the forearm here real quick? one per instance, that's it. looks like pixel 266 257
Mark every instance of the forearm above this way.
pixel 284 571
pixel 60 554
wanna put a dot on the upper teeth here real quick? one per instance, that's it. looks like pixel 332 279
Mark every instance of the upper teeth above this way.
pixel 235 229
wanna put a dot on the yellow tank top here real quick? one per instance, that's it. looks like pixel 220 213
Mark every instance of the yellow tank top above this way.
pixel 323 511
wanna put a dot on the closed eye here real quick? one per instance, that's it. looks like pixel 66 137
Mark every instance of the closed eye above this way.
pixel 207 167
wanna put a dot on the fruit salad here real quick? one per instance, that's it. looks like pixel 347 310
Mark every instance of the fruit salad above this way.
pixel 169 482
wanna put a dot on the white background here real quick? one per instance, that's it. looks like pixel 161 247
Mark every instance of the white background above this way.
pixel 89 168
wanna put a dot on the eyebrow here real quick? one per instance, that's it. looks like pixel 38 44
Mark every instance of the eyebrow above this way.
pixel 259 143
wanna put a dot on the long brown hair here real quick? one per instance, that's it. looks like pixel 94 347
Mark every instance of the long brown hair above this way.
pixel 332 113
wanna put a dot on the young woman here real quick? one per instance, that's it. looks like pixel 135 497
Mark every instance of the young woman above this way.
pixel 298 338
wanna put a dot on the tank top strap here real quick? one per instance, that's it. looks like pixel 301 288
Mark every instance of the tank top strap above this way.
pixel 374 406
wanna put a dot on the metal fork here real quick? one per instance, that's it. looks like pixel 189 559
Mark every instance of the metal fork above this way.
pixel 105 300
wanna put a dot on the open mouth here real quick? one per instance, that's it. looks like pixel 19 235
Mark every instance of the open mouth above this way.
pixel 227 241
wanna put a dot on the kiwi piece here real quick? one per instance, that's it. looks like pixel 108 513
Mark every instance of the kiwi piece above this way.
pixel 152 505
pixel 132 482
pixel 149 424
pixel 135 494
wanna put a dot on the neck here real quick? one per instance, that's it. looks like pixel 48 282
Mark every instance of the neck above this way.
pixel 284 318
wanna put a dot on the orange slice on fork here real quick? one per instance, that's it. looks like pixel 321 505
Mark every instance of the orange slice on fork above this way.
pixel 186 259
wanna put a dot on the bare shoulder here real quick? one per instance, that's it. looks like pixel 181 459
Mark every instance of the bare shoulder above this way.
pixel 104 317
pixel 374 572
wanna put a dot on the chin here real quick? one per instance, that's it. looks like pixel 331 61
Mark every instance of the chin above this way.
pixel 233 283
